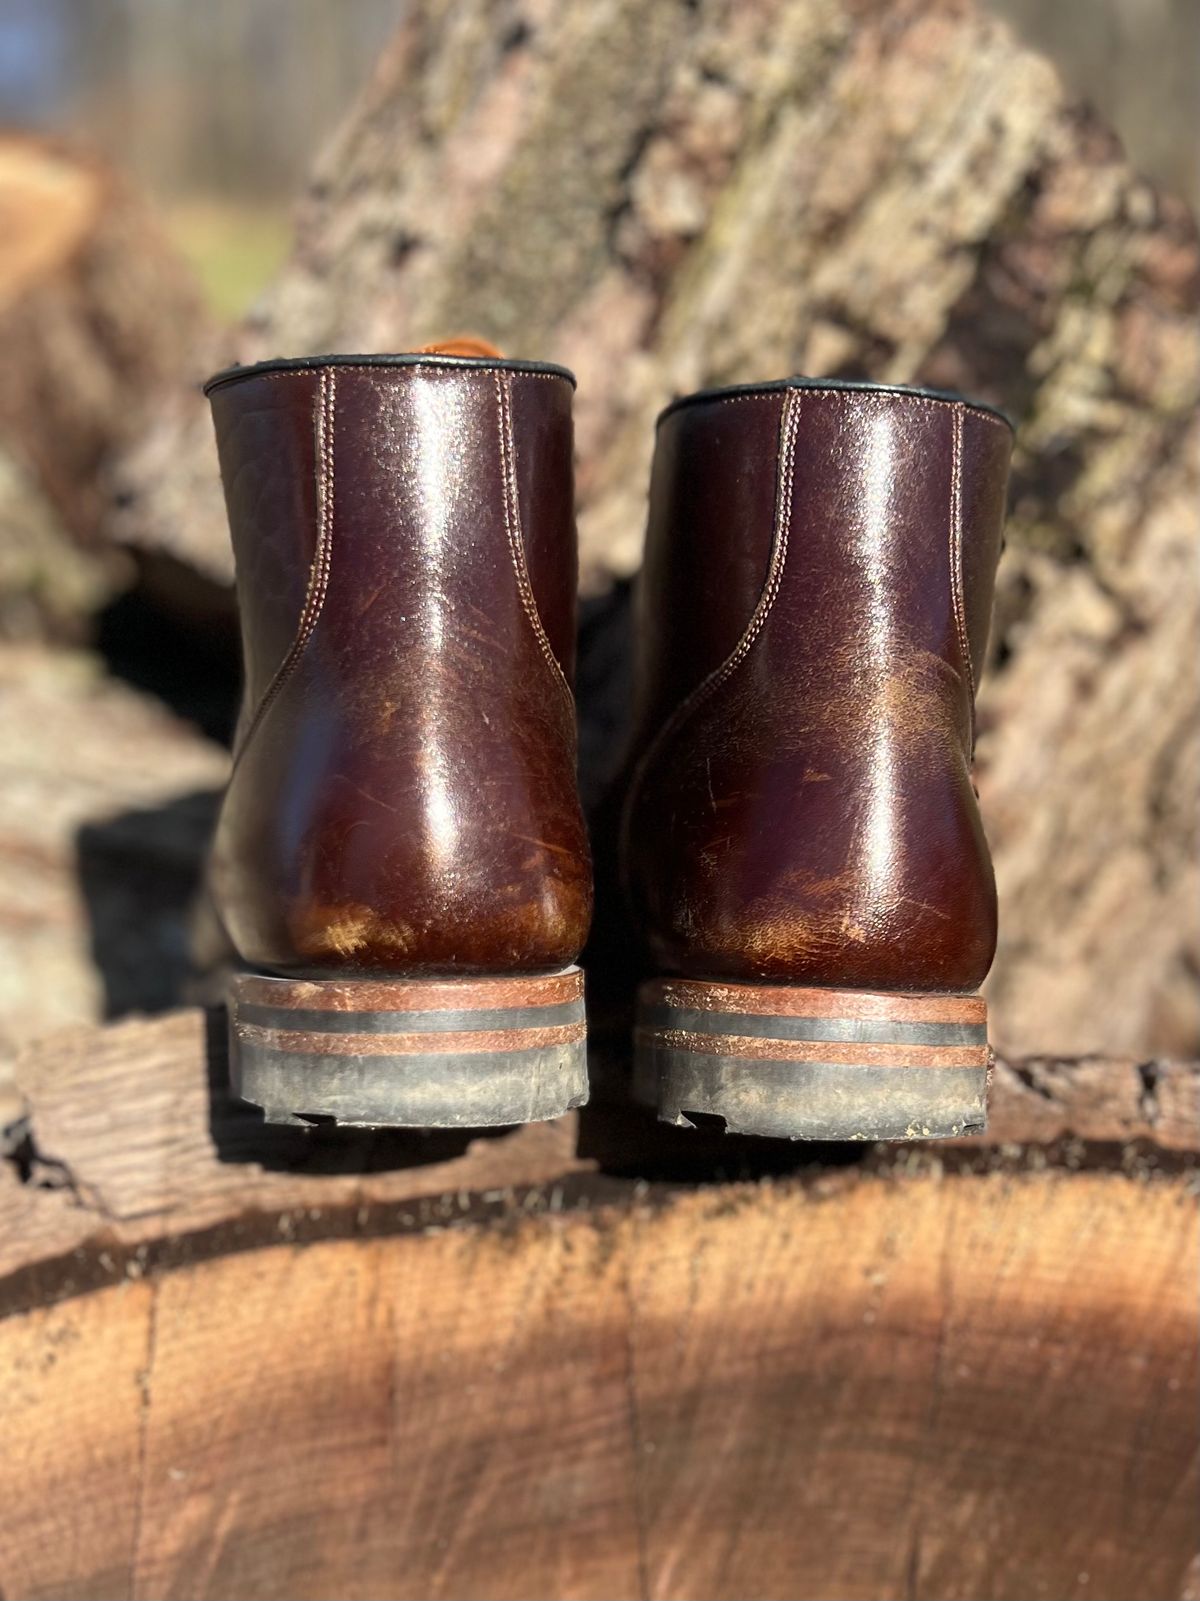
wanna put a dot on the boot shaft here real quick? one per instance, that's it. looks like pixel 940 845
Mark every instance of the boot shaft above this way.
pixel 814 616
pixel 403 796
pixel 412 465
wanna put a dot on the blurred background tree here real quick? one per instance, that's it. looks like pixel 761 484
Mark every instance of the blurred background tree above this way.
pixel 662 195
pixel 218 109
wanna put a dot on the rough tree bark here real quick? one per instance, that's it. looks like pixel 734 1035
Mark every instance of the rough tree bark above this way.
pixel 98 317
pixel 48 583
pixel 667 195
pixel 107 806
pixel 245 1363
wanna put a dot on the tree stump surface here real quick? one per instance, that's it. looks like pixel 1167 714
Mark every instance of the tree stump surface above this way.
pixel 575 1360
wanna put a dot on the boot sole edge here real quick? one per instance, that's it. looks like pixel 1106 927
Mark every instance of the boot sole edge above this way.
pixel 794 1063
pixel 409 1053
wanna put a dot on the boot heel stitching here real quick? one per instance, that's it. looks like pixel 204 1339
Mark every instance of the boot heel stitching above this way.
pixel 318 577
pixel 788 425
pixel 512 524
pixel 956 563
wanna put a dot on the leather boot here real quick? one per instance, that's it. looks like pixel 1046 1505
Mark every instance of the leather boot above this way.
pixel 401 862
pixel 801 841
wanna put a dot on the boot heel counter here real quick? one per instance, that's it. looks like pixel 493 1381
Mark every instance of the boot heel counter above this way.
pixel 374 876
pixel 404 795
pixel 807 815
pixel 773 867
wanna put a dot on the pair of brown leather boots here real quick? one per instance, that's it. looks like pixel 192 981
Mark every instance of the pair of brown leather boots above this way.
pixel 402 863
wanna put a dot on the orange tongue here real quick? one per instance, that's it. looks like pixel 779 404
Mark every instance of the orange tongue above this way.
pixel 462 345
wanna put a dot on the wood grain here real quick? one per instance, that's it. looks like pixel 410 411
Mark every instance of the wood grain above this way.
pixel 72 1404
pixel 860 1387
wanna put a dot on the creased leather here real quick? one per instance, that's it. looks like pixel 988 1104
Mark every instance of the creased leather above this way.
pixel 808 816
pixel 407 801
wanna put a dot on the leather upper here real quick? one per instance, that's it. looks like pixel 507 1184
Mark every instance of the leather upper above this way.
pixel 403 796
pixel 813 620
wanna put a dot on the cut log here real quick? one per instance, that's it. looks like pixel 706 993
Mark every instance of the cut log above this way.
pixel 106 802
pixel 98 318
pixel 239 1364
pixel 671 196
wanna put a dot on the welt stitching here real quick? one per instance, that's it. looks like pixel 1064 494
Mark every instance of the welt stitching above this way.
pixel 788 425
pixel 318 578
pixel 956 560
pixel 512 525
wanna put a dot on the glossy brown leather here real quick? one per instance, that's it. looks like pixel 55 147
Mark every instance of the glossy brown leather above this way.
pixel 813 619
pixel 403 797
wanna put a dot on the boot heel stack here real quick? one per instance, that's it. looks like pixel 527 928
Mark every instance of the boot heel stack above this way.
pixel 813 1064
pixel 410 1053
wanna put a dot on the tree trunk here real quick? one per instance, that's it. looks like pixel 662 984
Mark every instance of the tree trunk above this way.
pixel 48 584
pixel 98 319
pixel 665 196
pixel 240 1362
